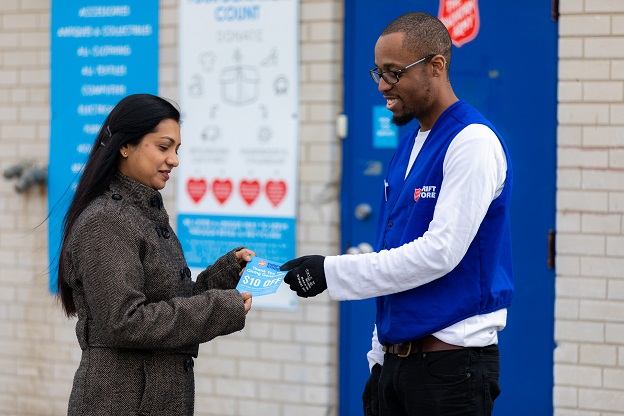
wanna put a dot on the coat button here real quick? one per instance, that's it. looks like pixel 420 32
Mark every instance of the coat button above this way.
pixel 116 197
pixel 155 202
pixel 166 233
pixel 390 224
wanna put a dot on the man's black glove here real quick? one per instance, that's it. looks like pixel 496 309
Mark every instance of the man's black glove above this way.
pixel 370 397
pixel 306 275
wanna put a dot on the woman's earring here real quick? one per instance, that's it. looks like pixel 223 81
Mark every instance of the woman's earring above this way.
pixel 125 154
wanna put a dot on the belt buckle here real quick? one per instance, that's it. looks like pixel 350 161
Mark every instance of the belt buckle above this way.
pixel 409 350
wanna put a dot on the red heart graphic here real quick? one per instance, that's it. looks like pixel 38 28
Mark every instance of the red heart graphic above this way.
pixel 249 190
pixel 275 191
pixel 222 189
pixel 196 189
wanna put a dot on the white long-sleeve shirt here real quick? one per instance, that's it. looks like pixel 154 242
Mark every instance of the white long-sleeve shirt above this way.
pixel 474 175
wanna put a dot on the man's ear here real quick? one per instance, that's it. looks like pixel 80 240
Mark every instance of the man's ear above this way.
pixel 438 63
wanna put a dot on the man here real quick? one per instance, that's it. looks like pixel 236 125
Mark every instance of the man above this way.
pixel 441 270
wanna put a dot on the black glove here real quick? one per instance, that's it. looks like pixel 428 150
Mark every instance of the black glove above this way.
pixel 370 397
pixel 306 275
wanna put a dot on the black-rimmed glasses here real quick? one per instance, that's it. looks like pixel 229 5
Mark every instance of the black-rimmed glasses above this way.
pixel 392 77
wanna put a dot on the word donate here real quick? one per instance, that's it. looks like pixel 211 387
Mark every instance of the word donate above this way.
pixel 261 277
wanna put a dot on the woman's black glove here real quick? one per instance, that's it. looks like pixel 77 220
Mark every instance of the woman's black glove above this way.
pixel 370 397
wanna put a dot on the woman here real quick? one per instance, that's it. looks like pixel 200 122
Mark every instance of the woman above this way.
pixel 122 272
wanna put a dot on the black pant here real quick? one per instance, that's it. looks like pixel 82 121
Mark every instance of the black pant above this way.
pixel 443 383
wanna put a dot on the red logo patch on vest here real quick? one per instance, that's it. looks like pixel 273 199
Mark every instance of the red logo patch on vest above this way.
pixel 461 18
pixel 417 192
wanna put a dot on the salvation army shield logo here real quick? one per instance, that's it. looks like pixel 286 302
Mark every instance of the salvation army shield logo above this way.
pixel 461 18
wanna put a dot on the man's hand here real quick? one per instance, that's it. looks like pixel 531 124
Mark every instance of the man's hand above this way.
pixel 306 275
pixel 370 397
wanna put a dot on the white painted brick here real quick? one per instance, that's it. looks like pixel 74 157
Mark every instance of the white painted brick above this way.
pixel 255 407
pixel 600 355
pixel 569 179
pixel 583 113
pixel 616 158
pixel 309 410
pixel 569 135
pixel 323 355
pixel 582 288
pixel 615 244
pixel 576 331
pixel 281 392
pixel 578 375
pixel 259 370
pixel 617 69
pixel 615 289
pixel 324 31
pixel 584 25
pixel 604 47
pixel 231 347
pixel 210 405
pixel 616 113
pixel 577 412
pixel 318 52
pixel 601 224
pixel 571 6
pixel 594 399
pixel 570 48
pixel 8 77
pixel 616 202
pixel 300 373
pixel 603 136
pixel 281 352
pixel 581 70
pixel 603 91
pixel 600 6
pixel 580 244
pixel 565 396
pixel 606 267
pixel 614 378
pixel 568 222
pixel 20 22
pixel 215 365
pixel 317 394
pixel 566 352
pixel 244 389
pixel 614 333
pixel 587 158
pixel 578 201
pixel 319 11
pixel 313 334
pixel 566 308
pixel 570 91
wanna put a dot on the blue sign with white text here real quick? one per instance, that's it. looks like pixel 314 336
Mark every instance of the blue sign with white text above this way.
pixel 99 54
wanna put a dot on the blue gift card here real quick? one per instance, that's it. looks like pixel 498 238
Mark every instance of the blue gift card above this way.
pixel 261 277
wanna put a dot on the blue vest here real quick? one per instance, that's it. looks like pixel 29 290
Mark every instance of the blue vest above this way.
pixel 482 282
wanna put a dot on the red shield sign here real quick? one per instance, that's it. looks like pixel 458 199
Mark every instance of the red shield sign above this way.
pixel 461 18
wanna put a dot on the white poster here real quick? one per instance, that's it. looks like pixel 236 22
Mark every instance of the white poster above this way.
pixel 239 95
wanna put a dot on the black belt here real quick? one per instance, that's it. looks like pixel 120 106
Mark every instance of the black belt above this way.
pixel 425 344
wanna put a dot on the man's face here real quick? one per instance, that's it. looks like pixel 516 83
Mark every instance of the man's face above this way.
pixel 412 96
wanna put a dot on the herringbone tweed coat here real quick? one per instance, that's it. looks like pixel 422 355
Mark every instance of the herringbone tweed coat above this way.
pixel 141 318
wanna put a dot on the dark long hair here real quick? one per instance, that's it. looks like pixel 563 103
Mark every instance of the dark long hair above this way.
pixel 131 119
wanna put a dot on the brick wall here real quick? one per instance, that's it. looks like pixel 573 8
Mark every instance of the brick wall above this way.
pixel 282 363
pixel 589 328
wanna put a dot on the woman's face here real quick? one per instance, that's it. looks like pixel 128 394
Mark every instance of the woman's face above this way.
pixel 152 160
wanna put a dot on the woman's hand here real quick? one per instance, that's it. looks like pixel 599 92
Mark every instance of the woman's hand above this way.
pixel 247 301
pixel 243 256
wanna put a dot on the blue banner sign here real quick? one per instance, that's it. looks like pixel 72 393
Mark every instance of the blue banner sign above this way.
pixel 101 51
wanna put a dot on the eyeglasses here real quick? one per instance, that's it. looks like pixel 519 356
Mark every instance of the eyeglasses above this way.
pixel 392 77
